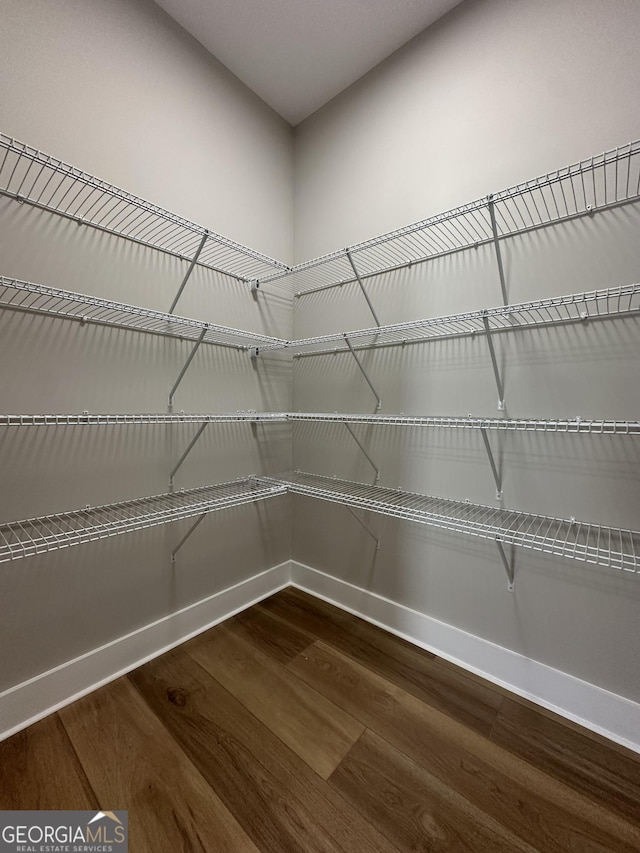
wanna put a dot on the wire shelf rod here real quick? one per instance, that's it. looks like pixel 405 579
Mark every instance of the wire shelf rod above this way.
pixel 49 533
pixel 595 184
pixel 615 548
pixel 30 176
pixel 41 299
pixel 596 304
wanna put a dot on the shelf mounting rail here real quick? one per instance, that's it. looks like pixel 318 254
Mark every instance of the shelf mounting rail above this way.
pixel 40 180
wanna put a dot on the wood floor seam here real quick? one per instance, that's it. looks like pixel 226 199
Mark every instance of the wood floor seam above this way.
pixel 84 774
pixel 493 725
pixel 340 729
pixel 509 842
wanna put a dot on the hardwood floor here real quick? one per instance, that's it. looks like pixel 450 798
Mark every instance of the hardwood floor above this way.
pixel 297 728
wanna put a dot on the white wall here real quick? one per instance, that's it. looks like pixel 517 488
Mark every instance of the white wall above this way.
pixel 120 90
pixel 494 93
pixel 497 92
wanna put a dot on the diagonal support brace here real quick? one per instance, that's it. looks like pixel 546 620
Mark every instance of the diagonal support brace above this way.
pixel 364 372
pixel 508 567
pixel 186 536
pixel 364 527
pixel 185 454
pixel 496 244
pixel 494 362
pixel 186 366
pixel 362 288
pixel 492 463
pixel 362 448
pixel 194 261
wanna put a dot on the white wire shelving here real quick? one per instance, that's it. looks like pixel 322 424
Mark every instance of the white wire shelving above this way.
pixel 574 426
pixel 575 307
pixel 148 418
pixel 611 547
pixel 32 177
pixel 597 183
pixel 53 532
pixel 40 299
pixel 614 548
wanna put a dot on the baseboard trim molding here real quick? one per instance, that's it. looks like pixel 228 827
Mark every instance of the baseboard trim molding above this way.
pixel 598 710
pixel 30 701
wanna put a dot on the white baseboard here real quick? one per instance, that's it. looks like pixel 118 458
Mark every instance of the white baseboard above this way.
pixel 25 703
pixel 590 706
pixel 596 709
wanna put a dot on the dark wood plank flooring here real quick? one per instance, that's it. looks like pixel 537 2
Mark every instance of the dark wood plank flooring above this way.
pixel 297 728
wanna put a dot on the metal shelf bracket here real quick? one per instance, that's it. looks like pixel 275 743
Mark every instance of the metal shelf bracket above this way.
pixel 365 528
pixel 364 372
pixel 186 366
pixel 190 447
pixel 364 451
pixel 494 361
pixel 494 470
pixel 508 567
pixel 496 244
pixel 186 536
pixel 362 287
pixel 194 261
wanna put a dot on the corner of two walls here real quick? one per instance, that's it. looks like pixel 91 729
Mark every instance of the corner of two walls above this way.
pixel 495 93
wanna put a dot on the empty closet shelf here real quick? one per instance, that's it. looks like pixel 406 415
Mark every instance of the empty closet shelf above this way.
pixel 575 307
pixel 51 301
pixel 52 532
pixel 88 419
pixel 598 183
pixel 605 546
pixel 30 176
pixel 582 426
pixel 574 426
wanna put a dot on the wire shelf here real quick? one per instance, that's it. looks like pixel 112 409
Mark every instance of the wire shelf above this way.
pixel 604 303
pixel 581 426
pixel 87 419
pixel 600 182
pixel 30 176
pixel 41 299
pixel 50 533
pixel 606 546
pixel 612 547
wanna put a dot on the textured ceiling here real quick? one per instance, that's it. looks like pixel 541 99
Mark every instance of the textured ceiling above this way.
pixel 298 54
